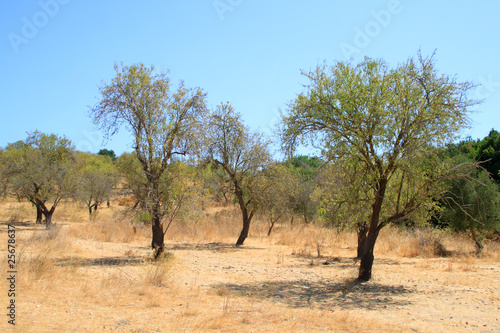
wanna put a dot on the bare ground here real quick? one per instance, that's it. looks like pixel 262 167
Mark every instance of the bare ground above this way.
pixel 68 281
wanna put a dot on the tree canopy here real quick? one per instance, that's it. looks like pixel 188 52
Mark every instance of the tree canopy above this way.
pixel 387 122
pixel 242 156
pixel 96 179
pixel 107 152
pixel 41 170
pixel 164 123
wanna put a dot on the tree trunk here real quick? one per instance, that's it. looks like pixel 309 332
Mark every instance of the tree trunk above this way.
pixel 39 214
pixel 244 214
pixel 244 232
pixel 366 264
pixel 157 242
pixel 48 217
pixel 271 227
pixel 362 234
pixel 477 242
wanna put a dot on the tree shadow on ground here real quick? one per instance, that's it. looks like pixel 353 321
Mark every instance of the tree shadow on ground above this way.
pixel 29 225
pixel 323 295
pixel 104 261
pixel 214 247
pixel 339 263
pixel 23 225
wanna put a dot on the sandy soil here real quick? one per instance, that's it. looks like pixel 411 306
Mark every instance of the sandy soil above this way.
pixel 95 286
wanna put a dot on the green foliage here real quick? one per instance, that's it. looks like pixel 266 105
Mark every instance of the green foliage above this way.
pixel 472 203
pixel 96 179
pixel 109 153
pixel 183 192
pixel 278 189
pixel 486 151
pixel 215 184
pixel 144 218
pixel 343 202
pixel 382 126
pixel 41 170
pixel 134 179
pixel 179 188
pixel 306 167
pixel 241 156
pixel 164 124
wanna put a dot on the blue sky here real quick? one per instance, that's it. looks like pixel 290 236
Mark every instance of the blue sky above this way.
pixel 55 53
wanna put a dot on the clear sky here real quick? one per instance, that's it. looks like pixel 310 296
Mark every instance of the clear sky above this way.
pixel 55 53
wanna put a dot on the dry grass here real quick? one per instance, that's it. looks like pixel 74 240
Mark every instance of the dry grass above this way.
pixel 117 228
pixel 13 211
pixel 37 259
pixel 96 275
pixel 219 224
pixel 427 243
pixel 159 272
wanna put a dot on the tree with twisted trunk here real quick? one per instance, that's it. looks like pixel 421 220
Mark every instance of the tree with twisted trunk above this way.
pixel 242 156
pixel 96 180
pixel 164 123
pixel 41 170
pixel 386 126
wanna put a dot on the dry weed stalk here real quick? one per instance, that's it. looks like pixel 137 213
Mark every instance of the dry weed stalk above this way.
pixel 159 271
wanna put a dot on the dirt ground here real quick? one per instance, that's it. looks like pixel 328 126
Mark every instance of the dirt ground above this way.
pixel 70 283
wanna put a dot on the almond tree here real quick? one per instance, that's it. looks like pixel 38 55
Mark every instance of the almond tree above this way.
pixel 384 125
pixel 164 123
pixel 278 190
pixel 41 170
pixel 96 180
pixel 242 156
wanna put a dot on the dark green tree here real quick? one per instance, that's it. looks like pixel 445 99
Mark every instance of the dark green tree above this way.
pixel 472 203
pixel 488 151
pixel 305 168
pixel 110 153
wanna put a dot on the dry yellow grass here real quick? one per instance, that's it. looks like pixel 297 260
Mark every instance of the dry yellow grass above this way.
pixel 97 275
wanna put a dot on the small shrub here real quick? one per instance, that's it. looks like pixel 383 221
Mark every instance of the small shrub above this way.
pixel 430 245
pixel 144 218
pixel 159 271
